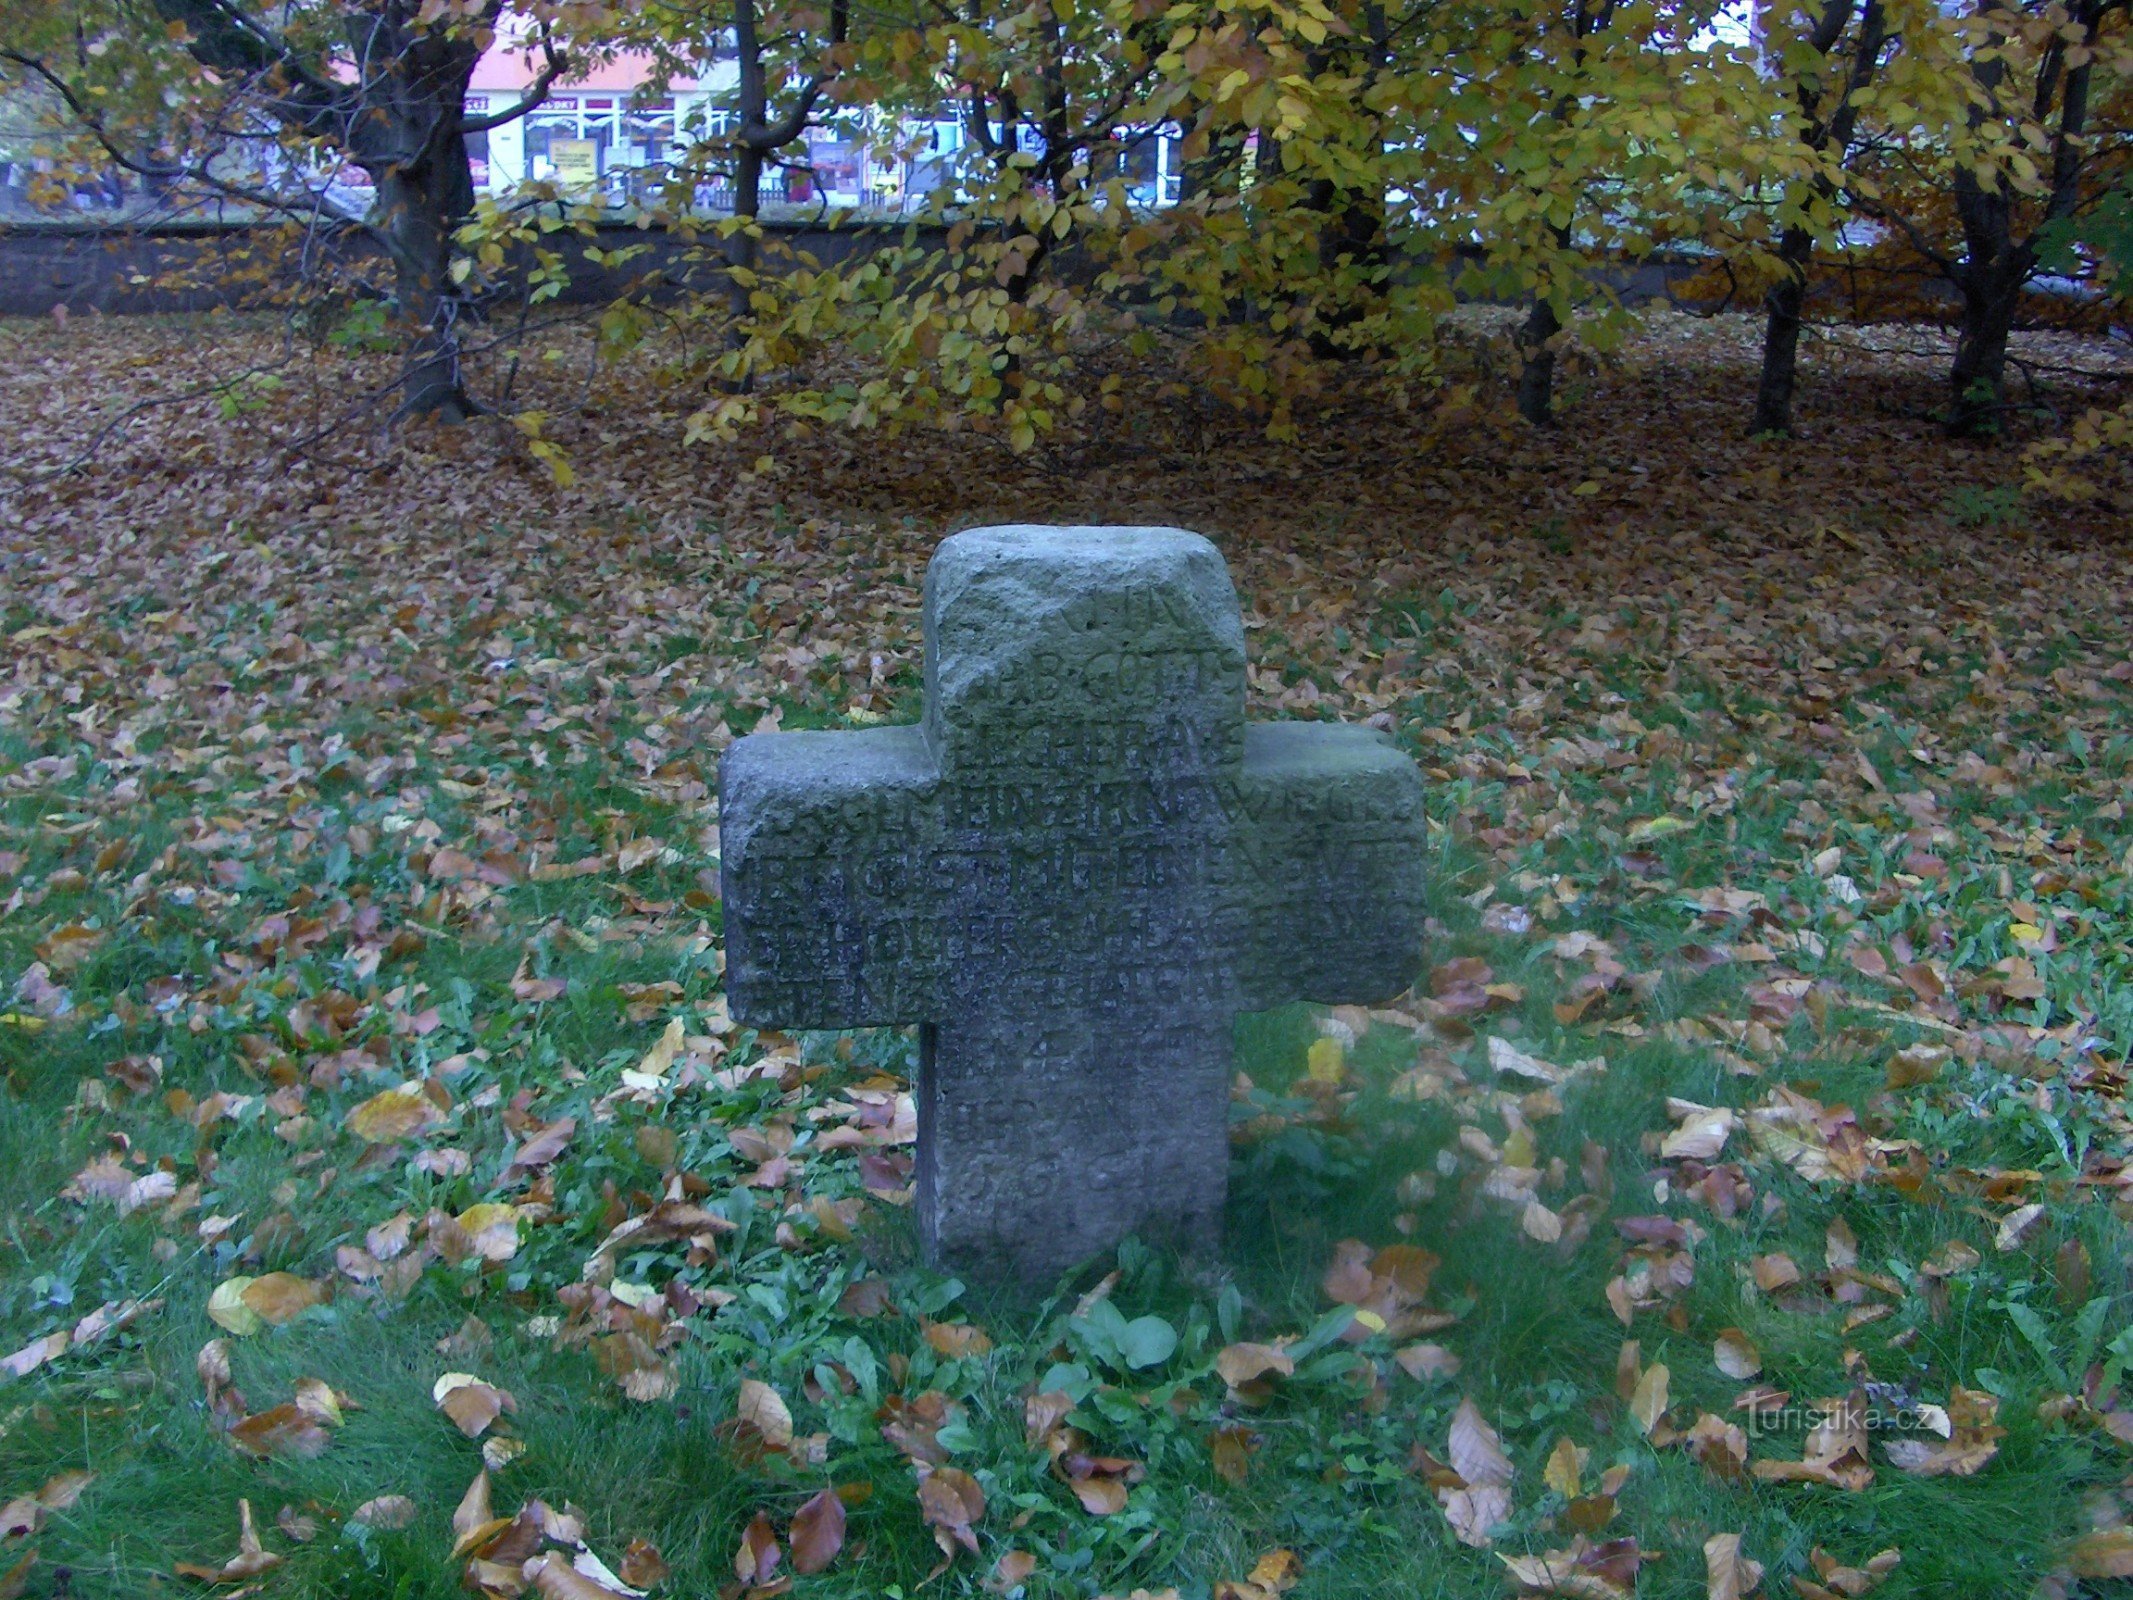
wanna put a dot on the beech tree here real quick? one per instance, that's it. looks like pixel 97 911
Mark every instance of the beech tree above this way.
pixel 2034 68
pixel 261 102
pixel 1828 54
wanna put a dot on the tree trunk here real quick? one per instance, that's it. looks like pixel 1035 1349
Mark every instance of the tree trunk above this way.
pixel 1218 170
pixel 741 246
pixel 1354 233
pixel 1781 335
pixel 1990 279
pixel 420 205
pixel 1978 380
pixel 1536 370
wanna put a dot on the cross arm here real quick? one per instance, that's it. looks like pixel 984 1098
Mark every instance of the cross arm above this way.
pixel 1330 845
pixel 827 845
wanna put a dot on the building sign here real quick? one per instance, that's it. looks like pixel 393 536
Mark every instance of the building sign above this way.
pixel 576 161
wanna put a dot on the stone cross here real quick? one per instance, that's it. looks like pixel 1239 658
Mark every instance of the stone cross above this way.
pixel 1073 873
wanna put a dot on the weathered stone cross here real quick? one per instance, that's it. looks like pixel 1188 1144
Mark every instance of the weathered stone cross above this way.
pixel 1073 874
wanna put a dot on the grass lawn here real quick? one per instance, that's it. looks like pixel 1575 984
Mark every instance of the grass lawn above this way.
pixel 1751 1161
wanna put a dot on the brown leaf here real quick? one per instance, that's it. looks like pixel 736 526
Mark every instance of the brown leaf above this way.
pixel 1728 1575
pixel 281 1297
pixel 1736 1355
pixel 394 1114
pixel 1100 1497
pixel 1231 1452
pixel 1774 1272
pixel 1477 1458
pixel 952 1503
pixel 1011 1571
pixel 1240 1364
pixel 285 1430
pixel 957 1338
pixel 1720 1446
pixel 472 1405
pixel 1835 1452
pixel 756 1560
pixel 643 1567
pixel 386 1511
pixel 1473 1448
pixel 1425 1361
pixel 1565 1469
pixel 817 1532
pixel 554 1578
pixel 35 1354
pixel 2105 1554
pixel 764 1409
pixel 250 1560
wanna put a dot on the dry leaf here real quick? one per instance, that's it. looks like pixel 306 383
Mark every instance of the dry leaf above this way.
pixel 765 1410
pixel 817 1532
pixel 472 1405
pixel 1240 1364
pixel 1424 1361
pixel 1735 1354
pixel 1648 1402
pixel 394 1114
pixel 755 1562
pixel 1564 1472
pixel 952 1504
pixel 285 1430
pixel 1728 1575
pixel 2105 1554
pixel 250 1560
pixel 386 1511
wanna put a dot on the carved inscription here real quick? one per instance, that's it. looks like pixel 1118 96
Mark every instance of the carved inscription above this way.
pixel 1075 874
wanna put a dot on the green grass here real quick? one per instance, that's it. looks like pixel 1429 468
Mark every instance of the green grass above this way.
pixel 1333 1472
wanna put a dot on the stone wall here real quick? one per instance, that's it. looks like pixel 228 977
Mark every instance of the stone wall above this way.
pixel 206 266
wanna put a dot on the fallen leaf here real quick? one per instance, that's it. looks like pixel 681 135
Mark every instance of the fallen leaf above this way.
pixel 1425 1361
pixel 1735 1354
pixel 2104 1554
pixel 472 1405
pixel 1728 1575
pixel 386 1511
pixel 1701 1134
pixel 394 1114
pixel 952 1504
pixel 1564 1472
pixel 250 1560
pixel 817 1532
pixel 1648 1403
pixel 35 1354
pixel 283 1430
pixel 763 1408
pixel 1774 1272
pixel 756 1560
pixel 279 1297
pixel 1476 1455
pixel 1240 1364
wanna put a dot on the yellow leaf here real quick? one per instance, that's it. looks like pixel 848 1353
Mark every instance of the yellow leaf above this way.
pixel 226 1308
pixel 494 1229
pixel 393 1114
pixel 278 1297
pixel 1325 1062
pixel 1565 1469
pixel 1648 1404
pixel 763 1406
pixel 663 1054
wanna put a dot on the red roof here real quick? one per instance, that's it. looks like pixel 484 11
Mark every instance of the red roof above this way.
pixel 507 66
